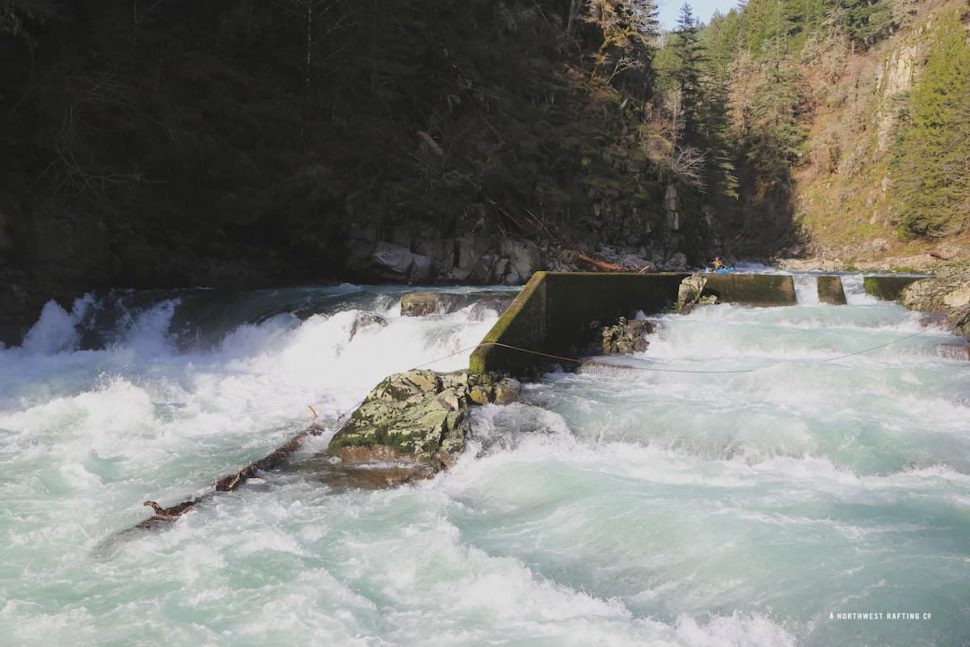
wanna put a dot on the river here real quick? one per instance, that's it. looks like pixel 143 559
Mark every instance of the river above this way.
pixel 752 481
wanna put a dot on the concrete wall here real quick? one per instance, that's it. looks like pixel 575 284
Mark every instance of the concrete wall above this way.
pixel 830 290
pixel 553 312
pixel 887 288
pixel 762 290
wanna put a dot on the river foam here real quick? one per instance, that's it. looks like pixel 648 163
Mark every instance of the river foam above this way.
pixel 610 506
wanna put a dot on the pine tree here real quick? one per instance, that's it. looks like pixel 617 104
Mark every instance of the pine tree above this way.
pixel 687 74
pixel 867 21
pixel 776 137
pixel 932 163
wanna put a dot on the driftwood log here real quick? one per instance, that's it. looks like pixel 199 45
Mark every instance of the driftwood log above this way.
pixel 597 264
pixel 232 481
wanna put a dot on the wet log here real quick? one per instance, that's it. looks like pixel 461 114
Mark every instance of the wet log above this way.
pixel 230 482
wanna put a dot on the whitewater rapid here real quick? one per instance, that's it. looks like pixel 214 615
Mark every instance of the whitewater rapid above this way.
pixel 664 506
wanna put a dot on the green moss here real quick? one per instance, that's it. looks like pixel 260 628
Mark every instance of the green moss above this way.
pixel 887 288
pixel 520 325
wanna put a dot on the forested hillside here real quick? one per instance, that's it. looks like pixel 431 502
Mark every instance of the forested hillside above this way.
pixel 852 117
pixel 237 142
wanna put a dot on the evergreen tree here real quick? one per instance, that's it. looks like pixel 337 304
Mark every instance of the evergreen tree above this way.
pixel 687 74
pixel 775 139
pixel 932 164
pixel 867 21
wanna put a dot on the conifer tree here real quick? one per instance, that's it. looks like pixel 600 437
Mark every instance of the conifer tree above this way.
pixel 687 74
pixel 866 21
pixel 932 165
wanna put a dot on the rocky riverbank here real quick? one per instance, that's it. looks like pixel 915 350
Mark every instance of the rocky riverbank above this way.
pixel 947 292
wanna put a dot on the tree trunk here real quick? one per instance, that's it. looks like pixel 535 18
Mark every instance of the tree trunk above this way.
pixel 574 6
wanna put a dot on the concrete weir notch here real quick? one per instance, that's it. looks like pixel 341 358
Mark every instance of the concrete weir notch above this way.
pixel 553 311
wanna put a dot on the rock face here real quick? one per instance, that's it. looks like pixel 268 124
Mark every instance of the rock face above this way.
pixel 420 304
pixel 676 263
pixel 398 263
pixel 947 292
pixel 417 420
pixel 625 337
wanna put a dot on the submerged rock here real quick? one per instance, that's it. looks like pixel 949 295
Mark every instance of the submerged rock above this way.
pixel 484 309
pixel 366 320
pixel 420 304
pixel 953 351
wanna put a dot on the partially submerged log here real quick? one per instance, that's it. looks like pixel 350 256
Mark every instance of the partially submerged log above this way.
pixel 230 482
pixel 411 426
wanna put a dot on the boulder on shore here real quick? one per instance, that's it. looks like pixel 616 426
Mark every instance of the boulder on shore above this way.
pixel 948 291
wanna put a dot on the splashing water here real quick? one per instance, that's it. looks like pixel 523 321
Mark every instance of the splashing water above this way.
pixel 611 506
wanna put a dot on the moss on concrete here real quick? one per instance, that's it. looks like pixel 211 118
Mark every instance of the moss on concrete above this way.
pixel 554 310
pixel 830 290
pixel 522 324
pixel 887 288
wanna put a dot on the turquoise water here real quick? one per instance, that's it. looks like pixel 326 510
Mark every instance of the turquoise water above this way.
pixel 610 507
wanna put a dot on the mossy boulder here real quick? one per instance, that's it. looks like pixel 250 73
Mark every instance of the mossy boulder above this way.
pixel 625 337
pixel 417 415
pixel 418 418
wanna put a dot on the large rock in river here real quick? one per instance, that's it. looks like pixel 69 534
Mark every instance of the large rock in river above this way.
pixel 417 416
pixel 415 422
pixel 625 337
pixel 420 304
pixel 948 291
